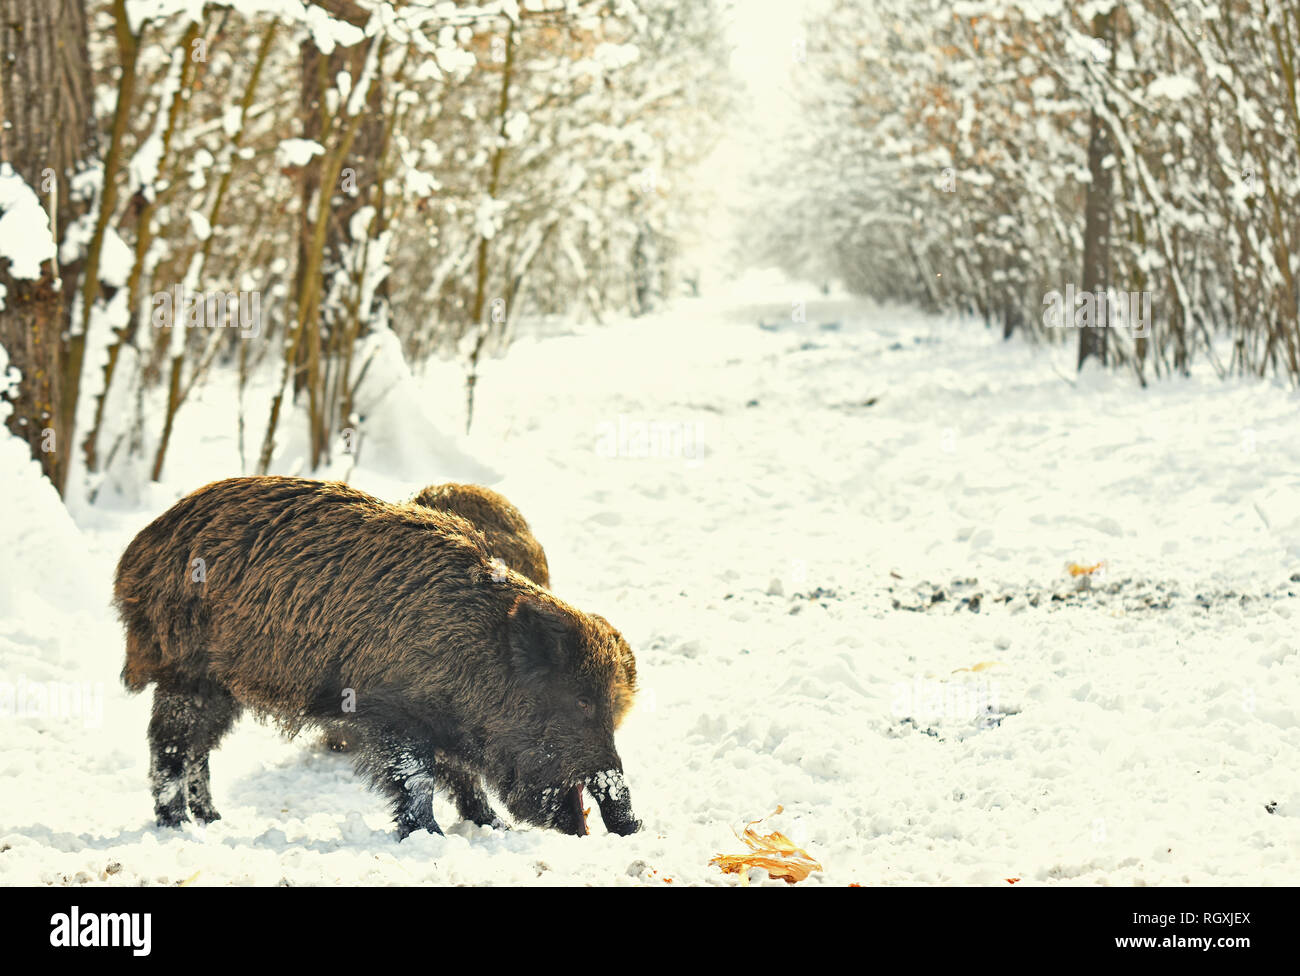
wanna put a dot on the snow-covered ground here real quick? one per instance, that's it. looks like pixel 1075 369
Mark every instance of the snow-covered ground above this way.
pixel 796 564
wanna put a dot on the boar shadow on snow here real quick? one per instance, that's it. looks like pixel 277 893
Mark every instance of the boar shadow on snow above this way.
pixel 298 599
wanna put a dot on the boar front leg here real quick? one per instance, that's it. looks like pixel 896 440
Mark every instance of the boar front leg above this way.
pixel 472 802
pixel 405 770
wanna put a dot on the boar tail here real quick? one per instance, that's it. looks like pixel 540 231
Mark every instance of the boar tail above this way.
pixel 143 659
pixel 144 656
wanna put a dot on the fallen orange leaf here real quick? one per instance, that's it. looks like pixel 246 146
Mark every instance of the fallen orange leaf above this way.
pixel 1012 880
pixel 1077 570
pixel 775 853
pixel 982 666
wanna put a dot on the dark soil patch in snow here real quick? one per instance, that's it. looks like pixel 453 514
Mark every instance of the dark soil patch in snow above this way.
pixel 1128 594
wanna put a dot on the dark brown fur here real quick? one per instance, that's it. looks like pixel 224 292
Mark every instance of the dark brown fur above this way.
pixel 503 526
pixel 508 537
pixel 311 589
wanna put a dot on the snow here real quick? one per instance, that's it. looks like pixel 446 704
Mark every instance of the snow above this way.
pixel 421 184
pixel 25 237
pixel 142 171
pixel 455 60
pixel 116 259
pixel 865 460
pixel 326 31
pixel 298 152
pixel 1173 87
pixel 614 56
pixel 199 164
pixel 356 97
pixel 516 127
pixel 200 224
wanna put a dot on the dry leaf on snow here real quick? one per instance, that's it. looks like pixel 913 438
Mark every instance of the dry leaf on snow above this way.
pixel 982 666
pixel 1076 570
pixel 774 853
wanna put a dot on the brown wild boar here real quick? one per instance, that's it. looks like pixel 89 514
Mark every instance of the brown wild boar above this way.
pixel 508 536
pixel 315 604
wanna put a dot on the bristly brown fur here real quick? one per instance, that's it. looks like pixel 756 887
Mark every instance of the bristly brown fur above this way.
pixel 508 536
pixel 310 592
pixel 503 526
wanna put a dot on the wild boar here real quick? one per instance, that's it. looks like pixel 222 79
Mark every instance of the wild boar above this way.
pixel 315 604
pixel 508 536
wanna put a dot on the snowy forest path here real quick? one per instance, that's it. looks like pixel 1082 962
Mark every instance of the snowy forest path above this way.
pixel 745 496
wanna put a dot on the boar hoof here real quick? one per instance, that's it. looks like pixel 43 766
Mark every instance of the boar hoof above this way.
pixel 172 817
pixel 406 827
pixel 417 814
pixel 205 815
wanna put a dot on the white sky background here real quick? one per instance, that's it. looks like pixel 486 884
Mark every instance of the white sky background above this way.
pixel 762 34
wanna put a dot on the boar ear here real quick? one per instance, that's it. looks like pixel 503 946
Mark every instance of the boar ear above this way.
pixel 538 633
pixel 626 660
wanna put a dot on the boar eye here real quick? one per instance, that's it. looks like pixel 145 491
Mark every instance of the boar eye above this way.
pixel 585 705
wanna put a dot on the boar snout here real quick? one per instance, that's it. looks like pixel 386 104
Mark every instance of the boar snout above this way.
pixel 608 788
pixel 614 800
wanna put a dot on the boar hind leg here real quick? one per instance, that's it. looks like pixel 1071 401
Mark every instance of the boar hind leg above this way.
pixel 218 711
pixel 406 772
pixel 186 725
pixel 472 802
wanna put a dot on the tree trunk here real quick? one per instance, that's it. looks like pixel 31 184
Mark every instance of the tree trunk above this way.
pixel 145 205
pixel 320 225
pixel 48 133
pixel 340 182
pixel 1096 233
pixel 481 270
